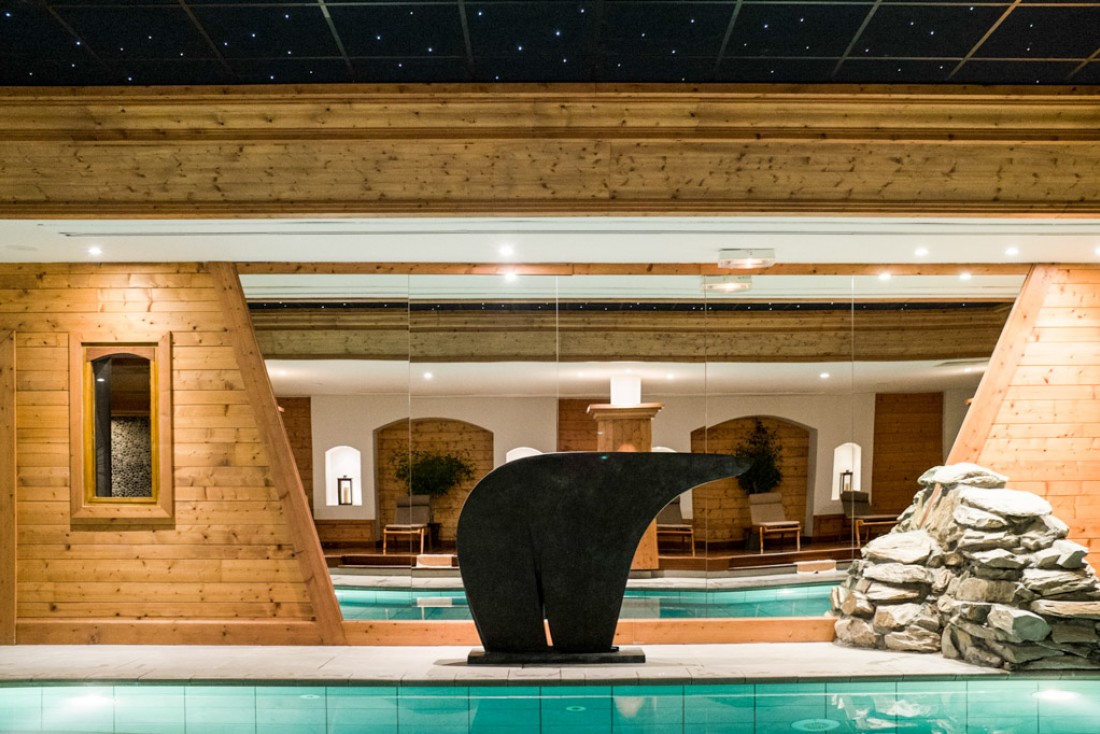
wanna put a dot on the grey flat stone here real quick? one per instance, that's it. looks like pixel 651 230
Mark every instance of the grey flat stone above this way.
pixel 1067 609
pixel 1005 502
pixel 963 473
pixel 998 558
pixel 898 573
pixel 912 547
pixel 895 616
pixel 1020 624
pixel 978 519
pixel 1049 582
pixel 982 590
pixel 880 593
pixel 913 639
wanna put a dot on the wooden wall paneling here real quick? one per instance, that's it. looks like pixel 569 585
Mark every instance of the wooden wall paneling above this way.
pixel 431 434
pixel 1002 367
pixel 548 150
pixel 908 441
pixel 7 490
pixel 298 422
pixel 576 429
pixel 227 561
pixel 721 508
pixel 257 385
pixel 1036 415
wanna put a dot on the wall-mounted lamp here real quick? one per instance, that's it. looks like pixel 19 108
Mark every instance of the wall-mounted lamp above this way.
pixel 343 490
pixel 746 259
pixel 626 390
pixel 846 481
pixel 727 283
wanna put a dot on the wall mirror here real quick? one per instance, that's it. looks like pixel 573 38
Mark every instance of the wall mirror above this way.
pixel 859 381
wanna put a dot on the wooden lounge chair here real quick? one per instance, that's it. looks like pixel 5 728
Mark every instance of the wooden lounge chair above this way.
pixel 857 507
pixel 766 513
pixel 414 513
pixel 671 524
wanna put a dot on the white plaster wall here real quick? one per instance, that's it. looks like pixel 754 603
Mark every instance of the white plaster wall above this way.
pixel 515 421
pixel 351 420
pixel 954 411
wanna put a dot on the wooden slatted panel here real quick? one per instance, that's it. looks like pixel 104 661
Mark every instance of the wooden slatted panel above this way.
pixel 721 508
pixel 7 490
pixel 1036 416
pixel 908 441
pixel 229 555
pixel 576 428
pixel 298 421
pixel 431 434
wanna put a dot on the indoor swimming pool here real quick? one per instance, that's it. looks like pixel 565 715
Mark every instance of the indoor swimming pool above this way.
pixel 794 600
pixel 987 705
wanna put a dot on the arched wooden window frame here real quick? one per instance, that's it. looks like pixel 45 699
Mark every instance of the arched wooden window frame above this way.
pixel 85 507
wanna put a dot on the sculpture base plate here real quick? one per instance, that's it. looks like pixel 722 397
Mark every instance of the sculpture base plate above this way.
pixel 626 655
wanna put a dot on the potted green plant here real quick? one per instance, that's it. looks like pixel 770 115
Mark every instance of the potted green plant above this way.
pixel 761 448
pixel 433 473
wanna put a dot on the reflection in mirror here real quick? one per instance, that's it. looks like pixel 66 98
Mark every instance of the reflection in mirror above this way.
pixel 123 433
pixel 859 381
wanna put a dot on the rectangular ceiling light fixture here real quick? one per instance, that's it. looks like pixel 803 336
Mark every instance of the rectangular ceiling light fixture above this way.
pixel 727 283
pixel 746 259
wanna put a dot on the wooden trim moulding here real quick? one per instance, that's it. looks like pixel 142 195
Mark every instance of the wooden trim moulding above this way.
pixel 7 489
pixel 288 482
pixel 156 632
pixel 565 269
pixel 1002 366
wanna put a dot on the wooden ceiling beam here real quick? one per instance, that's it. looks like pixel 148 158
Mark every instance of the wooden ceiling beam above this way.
pixel 548 150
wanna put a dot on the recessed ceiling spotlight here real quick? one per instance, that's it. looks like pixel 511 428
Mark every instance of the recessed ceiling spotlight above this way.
pixel 670 376
pixel 1012 251
pixel 884 276
pixel 510 275
pixel 824 375
pixel 506 250
pixel 965 276
pixel 746 259
pixel 1097 251
pixel 428 375
pixel 921 252
pixel 727 283
pixel 95 250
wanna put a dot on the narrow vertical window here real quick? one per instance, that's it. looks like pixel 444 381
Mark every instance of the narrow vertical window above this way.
pixel 121 429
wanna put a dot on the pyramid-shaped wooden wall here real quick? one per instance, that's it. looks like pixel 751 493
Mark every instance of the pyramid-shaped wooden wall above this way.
pixel 240 561
pixel 1036 415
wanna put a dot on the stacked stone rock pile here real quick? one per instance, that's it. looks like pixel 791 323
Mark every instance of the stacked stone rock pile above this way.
pixel 977 572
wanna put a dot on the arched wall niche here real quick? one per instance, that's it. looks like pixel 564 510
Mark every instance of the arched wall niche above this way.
pixel 721 509
pixel 343 461
pixel 471 441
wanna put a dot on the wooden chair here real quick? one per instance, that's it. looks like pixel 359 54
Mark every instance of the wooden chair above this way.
pixel 670 524
pixel 766 513
pixel 414 513
pixel 857 508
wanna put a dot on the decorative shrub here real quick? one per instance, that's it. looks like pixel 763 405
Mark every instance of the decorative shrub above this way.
pixel 761 448
pixel 430 472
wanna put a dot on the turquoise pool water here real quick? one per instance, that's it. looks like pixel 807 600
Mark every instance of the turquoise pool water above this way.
pixel 976 706
pixel 796 600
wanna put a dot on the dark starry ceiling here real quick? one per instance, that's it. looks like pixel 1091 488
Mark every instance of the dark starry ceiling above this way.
pixel 90 42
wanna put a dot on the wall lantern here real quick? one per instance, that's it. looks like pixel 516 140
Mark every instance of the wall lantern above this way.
pixel 343 490
pixel 846 481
